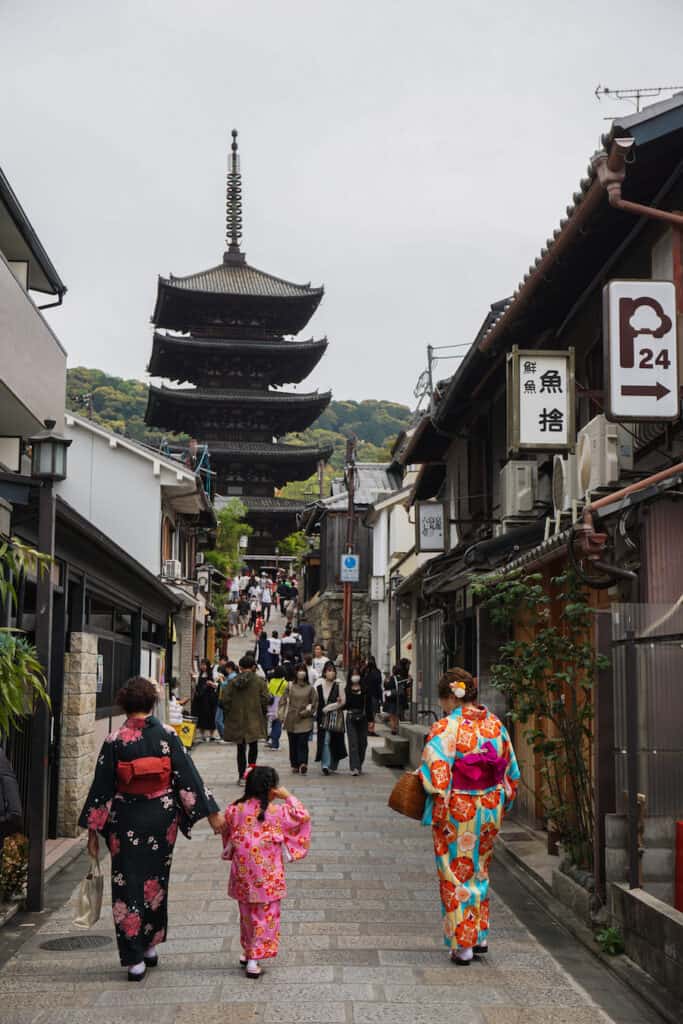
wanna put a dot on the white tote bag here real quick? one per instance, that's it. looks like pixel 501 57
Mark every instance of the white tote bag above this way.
pixel 90 896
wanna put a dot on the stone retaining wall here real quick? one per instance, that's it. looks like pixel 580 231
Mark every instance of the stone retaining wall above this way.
pixel 77 743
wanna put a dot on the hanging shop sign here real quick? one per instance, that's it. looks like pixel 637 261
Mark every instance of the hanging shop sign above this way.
pixel 377 588
pixel 641 350
pixel 431 521
pixel 350 568
pixel 540 400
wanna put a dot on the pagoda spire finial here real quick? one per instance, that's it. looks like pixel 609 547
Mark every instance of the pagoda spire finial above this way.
pixel 233 216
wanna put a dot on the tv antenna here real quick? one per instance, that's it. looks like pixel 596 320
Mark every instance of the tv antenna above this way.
pixel 635 95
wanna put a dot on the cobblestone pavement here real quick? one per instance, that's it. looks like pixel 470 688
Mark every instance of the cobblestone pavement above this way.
pixel 361 936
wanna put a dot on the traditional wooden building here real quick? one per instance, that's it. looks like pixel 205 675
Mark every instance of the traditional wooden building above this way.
pixel 228 331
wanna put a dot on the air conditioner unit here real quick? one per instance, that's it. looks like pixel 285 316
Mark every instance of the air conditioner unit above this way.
pixel 603 450
pixel 565 483
pixel 518 482
pixel 172 569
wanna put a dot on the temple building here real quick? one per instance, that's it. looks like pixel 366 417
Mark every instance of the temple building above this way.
pixel 229 332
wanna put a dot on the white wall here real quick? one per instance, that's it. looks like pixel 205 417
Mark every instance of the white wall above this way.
pixel 116 490
pixel 32 362
pixel 379 545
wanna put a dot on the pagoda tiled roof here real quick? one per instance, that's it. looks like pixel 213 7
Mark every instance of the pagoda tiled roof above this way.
pixel 236 277
pixel 271 452
pixel 240 397
pixel 181 357
pixel 260 503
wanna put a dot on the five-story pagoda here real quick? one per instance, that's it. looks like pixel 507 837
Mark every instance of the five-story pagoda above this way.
pixel 228 331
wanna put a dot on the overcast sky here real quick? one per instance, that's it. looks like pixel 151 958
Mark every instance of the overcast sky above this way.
pixel 413 157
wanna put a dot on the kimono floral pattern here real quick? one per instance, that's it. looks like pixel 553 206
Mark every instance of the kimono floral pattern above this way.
pixel 465 823
pixel 141 831
pixel 256 850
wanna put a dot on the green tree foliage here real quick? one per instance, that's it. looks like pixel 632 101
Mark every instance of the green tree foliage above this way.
pixel 22 681
pixel 120 404
pixel 548 677
pixel 231 526
pixel 295 544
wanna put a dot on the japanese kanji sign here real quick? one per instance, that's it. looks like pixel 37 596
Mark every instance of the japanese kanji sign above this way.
pixel 540 400
pixel 430 526
pixel 641 350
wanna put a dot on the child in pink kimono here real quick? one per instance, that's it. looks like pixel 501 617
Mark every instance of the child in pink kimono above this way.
pixel 260 834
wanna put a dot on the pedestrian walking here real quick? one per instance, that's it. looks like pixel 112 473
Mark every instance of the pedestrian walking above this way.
pixel 257 831
pixel 275 647
pixel 372 678
pixel 470 774
pixel 266 601
pixel 145 788
pixel 330 717
pixel 396 690
pixel 277 688
pixel 358 715
pixel 243 611
pixel 307 633
pixel 205 702
pixel 320 659
pixel 263 655
pixel 245 705
pixel 298 709
pixel 228 671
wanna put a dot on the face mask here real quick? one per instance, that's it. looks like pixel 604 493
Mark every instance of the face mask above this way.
pixel 301 677
pixel 329 675
pixel 355 679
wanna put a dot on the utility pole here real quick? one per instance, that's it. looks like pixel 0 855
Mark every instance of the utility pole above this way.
pixel 350 475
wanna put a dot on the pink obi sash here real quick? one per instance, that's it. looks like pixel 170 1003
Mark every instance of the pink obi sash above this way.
pixel 479 771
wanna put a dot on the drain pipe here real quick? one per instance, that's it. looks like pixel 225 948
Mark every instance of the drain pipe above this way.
pixel 611 171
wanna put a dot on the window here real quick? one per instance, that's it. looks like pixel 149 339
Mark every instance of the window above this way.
pixel 100 615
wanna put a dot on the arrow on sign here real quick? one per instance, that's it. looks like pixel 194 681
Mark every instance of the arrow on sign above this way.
pixel 645 390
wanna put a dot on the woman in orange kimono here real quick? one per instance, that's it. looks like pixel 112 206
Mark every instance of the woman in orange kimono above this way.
pixel 470 774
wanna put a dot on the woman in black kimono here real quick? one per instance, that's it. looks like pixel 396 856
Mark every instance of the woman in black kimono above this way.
pixel 205 702
pixel 145 788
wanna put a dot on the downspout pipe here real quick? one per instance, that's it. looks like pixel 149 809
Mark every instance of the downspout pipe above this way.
pixel 611 171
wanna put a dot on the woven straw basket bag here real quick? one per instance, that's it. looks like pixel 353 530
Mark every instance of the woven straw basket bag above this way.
pixel 408 796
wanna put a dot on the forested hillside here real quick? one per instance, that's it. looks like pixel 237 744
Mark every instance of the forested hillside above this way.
pixel 120 405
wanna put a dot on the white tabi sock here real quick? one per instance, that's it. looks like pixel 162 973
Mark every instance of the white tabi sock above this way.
pixel 252 966
pixel 151 951
pixel 137 968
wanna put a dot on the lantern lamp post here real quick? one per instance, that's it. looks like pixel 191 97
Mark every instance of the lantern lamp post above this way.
pixel 48 465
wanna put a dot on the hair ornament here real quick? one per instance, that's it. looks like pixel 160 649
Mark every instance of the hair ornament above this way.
pixel 458 689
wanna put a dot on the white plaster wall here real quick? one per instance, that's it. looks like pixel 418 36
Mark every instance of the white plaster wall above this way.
pixel 32 362
pixel 379 545
pixel 116 490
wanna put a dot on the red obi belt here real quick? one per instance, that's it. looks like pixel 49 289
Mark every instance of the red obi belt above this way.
pixel 145 776
pixel 479 771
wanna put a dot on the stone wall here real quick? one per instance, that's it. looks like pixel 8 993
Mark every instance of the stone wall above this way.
pixel 653 934
pixel 658 862
pixel 77 742
pixel 325 613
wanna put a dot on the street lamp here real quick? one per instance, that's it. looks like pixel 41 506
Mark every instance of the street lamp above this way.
pixel 48 465
pixel 48 454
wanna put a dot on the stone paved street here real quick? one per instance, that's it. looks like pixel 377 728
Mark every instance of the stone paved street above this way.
pixel 361 937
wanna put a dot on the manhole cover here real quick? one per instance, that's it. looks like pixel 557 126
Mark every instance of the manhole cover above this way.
pixel 71 942
pixel 515 837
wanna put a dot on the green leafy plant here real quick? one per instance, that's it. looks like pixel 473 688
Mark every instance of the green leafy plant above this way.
pixel 296 545
pixel 13 866
pixel 610 941
pixel 548 678
pixel 22 680
pixel 232 526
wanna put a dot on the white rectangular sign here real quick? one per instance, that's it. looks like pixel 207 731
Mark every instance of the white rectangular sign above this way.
pixel 544 400
pixel 430 523
pixel 349 569
pixel 639 323
pixel 377 588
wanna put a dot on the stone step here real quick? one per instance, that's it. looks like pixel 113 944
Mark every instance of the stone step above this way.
pixel 395 753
